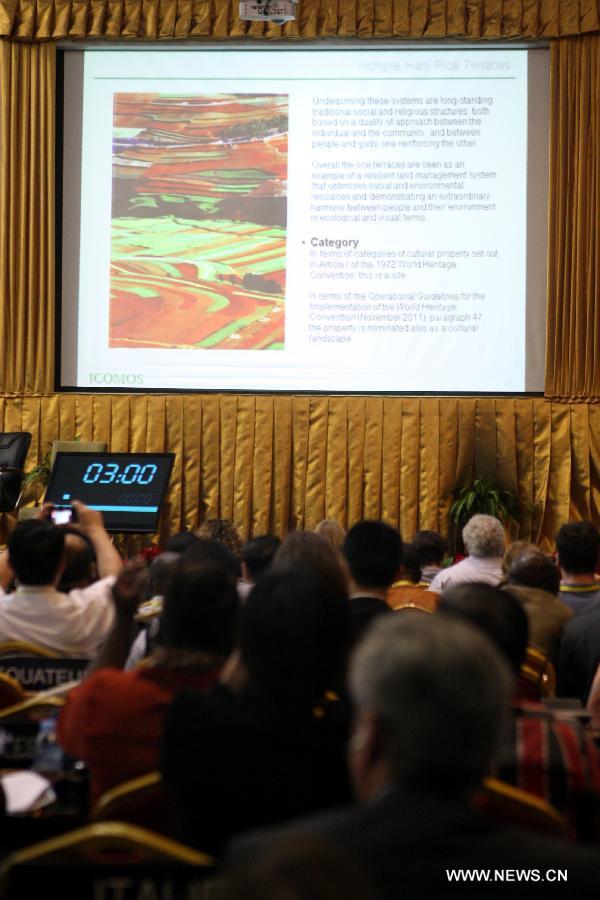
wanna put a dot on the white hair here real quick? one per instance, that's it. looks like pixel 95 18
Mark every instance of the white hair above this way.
pixel 483 536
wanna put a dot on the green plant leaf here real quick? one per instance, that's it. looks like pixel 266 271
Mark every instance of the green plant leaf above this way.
pixel 481 496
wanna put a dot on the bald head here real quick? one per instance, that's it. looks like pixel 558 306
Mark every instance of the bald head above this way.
pixel 532 568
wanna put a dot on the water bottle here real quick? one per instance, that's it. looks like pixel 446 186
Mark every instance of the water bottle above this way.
pixel 48 752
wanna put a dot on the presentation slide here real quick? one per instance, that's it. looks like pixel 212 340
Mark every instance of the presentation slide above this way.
pixel 302 220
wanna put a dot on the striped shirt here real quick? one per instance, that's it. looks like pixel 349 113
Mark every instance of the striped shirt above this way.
pixel 555 759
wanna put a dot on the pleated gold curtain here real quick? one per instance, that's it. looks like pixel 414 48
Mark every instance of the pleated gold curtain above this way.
pixel 27 139
pixel 279 462
pixel 271 463
pixel 218 19
pixel 573 335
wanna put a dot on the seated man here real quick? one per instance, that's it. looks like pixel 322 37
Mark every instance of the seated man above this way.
pixel 483 537
pixel 578 548
pixel 579 655
pixel 113 721
pixel 429 694
pixel 81 568
pixel 373 551
pixel 72 624
pixel 410 591
pixel 533 580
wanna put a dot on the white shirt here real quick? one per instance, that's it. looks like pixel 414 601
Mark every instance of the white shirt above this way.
pixel 471 569
pixel 73 624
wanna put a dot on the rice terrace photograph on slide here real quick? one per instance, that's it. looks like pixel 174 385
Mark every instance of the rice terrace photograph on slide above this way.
pixel 199 214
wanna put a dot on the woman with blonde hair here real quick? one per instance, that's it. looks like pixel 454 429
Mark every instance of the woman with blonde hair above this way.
pixel 332 532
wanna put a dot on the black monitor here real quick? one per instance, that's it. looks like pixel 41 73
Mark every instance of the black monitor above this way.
pixel 127 488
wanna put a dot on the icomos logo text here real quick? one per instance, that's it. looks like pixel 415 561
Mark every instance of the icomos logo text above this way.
pixel 123 378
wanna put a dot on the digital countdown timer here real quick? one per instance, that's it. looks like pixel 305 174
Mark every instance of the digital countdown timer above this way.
pixel 107 473
pixel 127 488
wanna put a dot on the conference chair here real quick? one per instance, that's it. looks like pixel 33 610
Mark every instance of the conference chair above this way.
pixel 402 607
pixel 83 864
pixel 538 675
pixel 20 724
pixel 11 692
pixel 37 668
pixel 37 706
pixel 24 648
pixel 506 803
pixel 17 737
pixel 139 801
pixel 13 451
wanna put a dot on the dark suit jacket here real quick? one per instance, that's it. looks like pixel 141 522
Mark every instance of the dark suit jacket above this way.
pixel 364 609
pixel 546 615
pixel 579 655
pixel 407 843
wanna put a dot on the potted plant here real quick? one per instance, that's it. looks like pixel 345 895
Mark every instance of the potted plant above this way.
pixel 36 481
pixel 38 477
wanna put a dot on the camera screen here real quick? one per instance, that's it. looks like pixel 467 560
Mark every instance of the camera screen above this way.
pixel 62 516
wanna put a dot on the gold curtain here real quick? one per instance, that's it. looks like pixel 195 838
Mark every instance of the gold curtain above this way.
pixel 573 351
pixel 279 462
pixel 27 74
pixel 218 19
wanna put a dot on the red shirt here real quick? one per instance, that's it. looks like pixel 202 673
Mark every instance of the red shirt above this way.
pixel 113 721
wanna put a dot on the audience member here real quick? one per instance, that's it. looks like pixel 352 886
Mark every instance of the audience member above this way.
pixel 200 551
pixel 113 721
pixel 305 548
pixel 512 551
pixel 158 575
pixel 483 537
pixel 373 551
pixel 429 693
pixel 496 613
pixel 257 555
pixel 409 591
pixel 223 531
pixel 210 550
pixel 80 566
pixel 555 759
pixel 533 580
pixel 149 611
pixel 332 531
pixel 532 568
pixel 72 624
pixel 432 549
pixel 268 744
pixel 579 655
pixel 578 548
pixel 180 542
